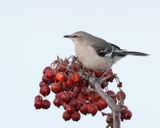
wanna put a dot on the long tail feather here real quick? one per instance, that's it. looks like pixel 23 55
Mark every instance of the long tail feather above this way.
pixel 135 53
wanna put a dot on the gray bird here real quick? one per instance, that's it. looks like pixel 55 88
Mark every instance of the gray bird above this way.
pixel 96 53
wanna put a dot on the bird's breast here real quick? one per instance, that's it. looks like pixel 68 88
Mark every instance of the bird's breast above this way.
pixel 89 58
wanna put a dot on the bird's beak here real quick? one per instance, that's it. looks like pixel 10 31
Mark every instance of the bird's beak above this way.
pixel 67 36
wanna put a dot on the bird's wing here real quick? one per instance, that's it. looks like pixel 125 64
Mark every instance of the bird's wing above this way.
pixel 104 52
pixel 117 51
pixel 108 49
pixel 102 48
pixel 115 47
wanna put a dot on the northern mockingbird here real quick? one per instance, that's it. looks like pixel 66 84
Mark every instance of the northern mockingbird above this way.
pixel 96 53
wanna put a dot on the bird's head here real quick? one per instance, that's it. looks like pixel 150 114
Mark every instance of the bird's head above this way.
pixel 78 37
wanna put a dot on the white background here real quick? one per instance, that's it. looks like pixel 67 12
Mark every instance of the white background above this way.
pixel 31 36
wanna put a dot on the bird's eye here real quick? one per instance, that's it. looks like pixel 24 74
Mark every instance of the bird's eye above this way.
pixel 75 36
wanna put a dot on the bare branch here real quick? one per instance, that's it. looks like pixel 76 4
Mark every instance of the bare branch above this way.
pixel 115 108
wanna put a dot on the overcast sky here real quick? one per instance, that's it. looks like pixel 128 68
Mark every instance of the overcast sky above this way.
pixel 31 36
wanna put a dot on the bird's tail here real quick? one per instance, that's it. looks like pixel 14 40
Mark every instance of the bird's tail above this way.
pixel 135 53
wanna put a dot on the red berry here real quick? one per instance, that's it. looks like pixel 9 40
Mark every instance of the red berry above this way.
pixel 42 83
pixel 119 84
pixel 69 109
pixel 70 94
pixel 38 104
pixel 57 102
pixel 64 96
pixel 76 77
pixel 124 109
pixel 83 96
pixel 66 116
pixel 92 109
pixel 96 96
pixel 73 103
pixel 84 83
pixel 79 102
pixel 109 118
pixel 62 66
pixel 77 90
pixel 110 78
pixel 98 73
pixel 113 95
pixel 38 97
pixel 45 90
pixel 101 104
pixel 61 76
pixel 75 116
pixel 56 87
pixel 128 115
pixel 69 83
pixel 44 79
pixel 88 70
pixel 108 73
pixel 121 95
pixel 125 113
pixel 46 69
pixel 49 74
pixel 46 104
pixel 91 97
pixel 75 67
pixel 84 109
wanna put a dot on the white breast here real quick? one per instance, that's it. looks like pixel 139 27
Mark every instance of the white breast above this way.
pixel 89 58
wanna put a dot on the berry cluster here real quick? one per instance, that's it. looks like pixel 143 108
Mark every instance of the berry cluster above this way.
pixel 68 79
